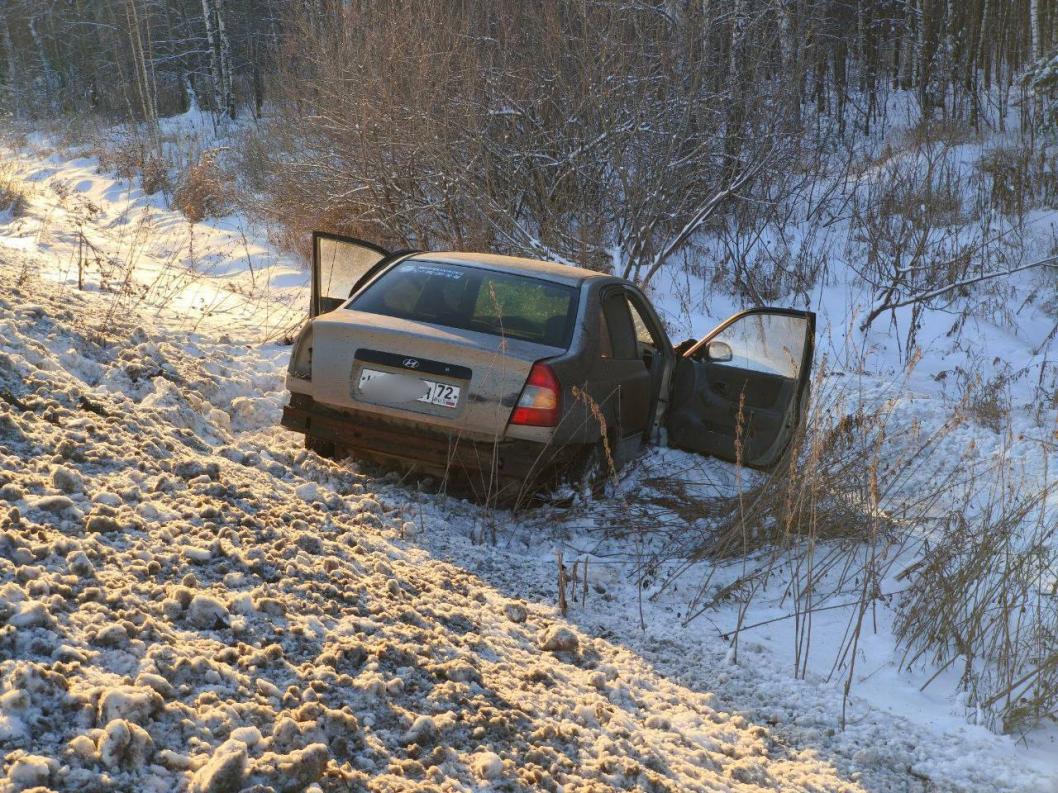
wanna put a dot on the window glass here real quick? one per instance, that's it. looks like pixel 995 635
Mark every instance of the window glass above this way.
pixel 472 298
pixel 342 264
pixel 643 335
pixel 770 343
pixel 619 321
pixel 605 345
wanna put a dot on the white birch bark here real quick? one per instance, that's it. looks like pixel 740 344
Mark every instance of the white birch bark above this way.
pixel 51 78
pixel 12 76
pixel 228 94
pixel 214 56
pixel 143 83
pixel 1034 27
pixel 787 50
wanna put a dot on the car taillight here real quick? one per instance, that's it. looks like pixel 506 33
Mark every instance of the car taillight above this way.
pixel 541 398
pixel 301 361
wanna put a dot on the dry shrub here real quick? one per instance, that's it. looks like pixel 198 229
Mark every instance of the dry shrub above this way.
pixel 982 600
pixel 931 195
pixel 123 156
pixel 154 175
pixel 986 401
pixel 911 236
pixel 1015 179
pixel 833 522
pixel 133 157
pixel 203 192
pixel 520 141
pixel 14 194
pixel 839 481
pixel 871 512
pixel 949 131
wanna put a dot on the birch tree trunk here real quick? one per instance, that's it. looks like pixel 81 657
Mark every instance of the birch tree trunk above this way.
pixel 1034 28
pixel 214 56
pixel 787 54
pixel 139 57
pixel 228 94
pixel 736 78
pixel 51 78
pixel 11 78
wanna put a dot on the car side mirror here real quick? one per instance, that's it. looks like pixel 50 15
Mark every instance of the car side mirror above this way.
pixel 719 351
pixel 684 345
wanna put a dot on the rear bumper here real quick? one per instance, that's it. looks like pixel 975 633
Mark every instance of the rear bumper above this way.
pixel 423 446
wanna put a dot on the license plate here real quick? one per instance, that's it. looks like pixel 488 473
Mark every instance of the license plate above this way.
pixel 443 394
pixel 395 387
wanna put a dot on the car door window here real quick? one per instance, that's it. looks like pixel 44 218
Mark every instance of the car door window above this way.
pixel 622 331
pixel 605 345
pixel 766 343
pixel 643 334
pixel 741 392
pixel 338 263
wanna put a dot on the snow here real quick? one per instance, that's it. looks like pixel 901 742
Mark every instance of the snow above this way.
pixel 193 602
pixel 362 658
pixel 30 771
pixel 224 771
pixel 487 765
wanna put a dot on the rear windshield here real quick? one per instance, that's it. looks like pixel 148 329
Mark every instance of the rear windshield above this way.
pixel 471 298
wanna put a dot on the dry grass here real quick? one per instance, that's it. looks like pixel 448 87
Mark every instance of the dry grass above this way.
pixel 133 157
pixel 203 191
pixel 987 402
pixel 870 512
pixel 950 132
pixel 982 600
pixel 1015 179
pixel 14 192
pixel 154 175
pixel 123 155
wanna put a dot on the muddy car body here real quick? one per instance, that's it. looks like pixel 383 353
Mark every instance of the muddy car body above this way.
pixel 513 371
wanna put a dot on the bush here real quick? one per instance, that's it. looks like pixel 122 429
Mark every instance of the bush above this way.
pixel 154 175
pixel 1017 178
pixel 203 191
pixel 132 157
pixel 13 192
pixel 122 156
pixel 542 152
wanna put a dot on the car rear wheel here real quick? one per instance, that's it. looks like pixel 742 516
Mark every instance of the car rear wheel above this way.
pixel 594 476
pixel 323 448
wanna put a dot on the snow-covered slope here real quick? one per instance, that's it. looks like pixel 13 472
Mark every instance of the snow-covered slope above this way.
pixel 191 601
pixel 103 233
pixel 181 576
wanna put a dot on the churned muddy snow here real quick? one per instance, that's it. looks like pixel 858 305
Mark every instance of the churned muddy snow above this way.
pixel 191 602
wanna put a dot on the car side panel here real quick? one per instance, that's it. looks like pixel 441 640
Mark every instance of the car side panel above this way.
pixel 610 395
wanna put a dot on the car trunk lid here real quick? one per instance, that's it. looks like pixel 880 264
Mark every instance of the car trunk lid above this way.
pixel 445 377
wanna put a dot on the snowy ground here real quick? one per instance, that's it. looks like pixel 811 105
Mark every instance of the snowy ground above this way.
pixel 190 596
pixel 192 600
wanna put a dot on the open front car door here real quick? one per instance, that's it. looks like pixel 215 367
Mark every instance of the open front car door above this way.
pixel 739 394
pixel 339 264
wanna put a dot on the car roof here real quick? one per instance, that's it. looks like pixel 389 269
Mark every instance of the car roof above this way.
pixel 561 273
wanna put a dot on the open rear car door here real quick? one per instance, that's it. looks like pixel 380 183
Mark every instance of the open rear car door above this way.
pixel 339 264
pixel 740 393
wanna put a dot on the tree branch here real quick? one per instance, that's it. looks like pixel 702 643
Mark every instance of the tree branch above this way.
pixel 924 297
pixel 705 212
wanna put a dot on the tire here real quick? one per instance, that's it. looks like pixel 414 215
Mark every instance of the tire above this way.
pixel 591 477
pixel 321 447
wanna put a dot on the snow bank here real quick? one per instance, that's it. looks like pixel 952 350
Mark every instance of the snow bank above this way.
pixel 188 600
pixel 192 607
